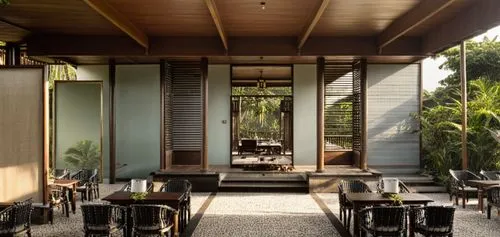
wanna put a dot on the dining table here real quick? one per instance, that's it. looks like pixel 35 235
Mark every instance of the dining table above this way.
pixel 361 200
pixel 481 186
pixel 171 199
pixel 69 187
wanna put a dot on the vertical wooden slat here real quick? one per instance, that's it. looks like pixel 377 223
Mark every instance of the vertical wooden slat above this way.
pixel 112 138
pixel 204 123
pixel 364 118
pixel 463 82
pixel 46 134
pixel 162 114
pixel 420 109
pixel 320 113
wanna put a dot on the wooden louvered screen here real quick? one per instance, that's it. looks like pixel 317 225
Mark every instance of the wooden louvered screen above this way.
pixel 356 106
pixel 186 106
pixel 341 106
pixel 168 107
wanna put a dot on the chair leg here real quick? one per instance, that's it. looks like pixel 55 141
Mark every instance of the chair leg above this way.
pixel 340 213
pixel 463 199
pixel 456 199
pixel 349 220
pixel 488 212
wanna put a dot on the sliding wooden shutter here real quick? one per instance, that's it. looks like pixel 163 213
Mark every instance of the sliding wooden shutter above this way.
pixel 186 106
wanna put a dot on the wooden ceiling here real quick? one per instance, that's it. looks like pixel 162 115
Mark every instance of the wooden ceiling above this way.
pixel 291 31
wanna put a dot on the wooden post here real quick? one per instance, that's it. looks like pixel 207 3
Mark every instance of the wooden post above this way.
pixel 112 138
pixel 320 114
pixel 363 160
pixel 463 82
pixel 204 116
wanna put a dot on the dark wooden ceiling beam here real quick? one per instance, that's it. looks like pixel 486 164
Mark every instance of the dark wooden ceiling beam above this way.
pixel 481 16
pixel 76 45
pixel 313 20
pixel 212 7
pixel 119 20
pixel 413 18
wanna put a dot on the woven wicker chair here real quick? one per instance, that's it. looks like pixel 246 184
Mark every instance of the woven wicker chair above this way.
pixel 59 199
pixel 16 220
pixel 103 219
pixel 490 175
pixel 87 178
pixel 458 185
pixel 61 174
pixel 383 220
pixel 402 187
pixel 493 197
pixel 181 186
pixel 152 220
pixel 433 220
pixel 349 186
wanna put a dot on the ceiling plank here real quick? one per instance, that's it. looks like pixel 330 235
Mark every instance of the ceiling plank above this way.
pixel 320 9
pixel 77 45
pixel 218 22
pixel 413 18
pixel 119 20
pixel 478 18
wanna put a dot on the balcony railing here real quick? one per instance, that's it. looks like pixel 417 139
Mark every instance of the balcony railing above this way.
pixel 338 142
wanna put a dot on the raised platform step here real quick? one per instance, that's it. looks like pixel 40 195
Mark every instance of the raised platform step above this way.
pixel 301 187
pixel 263 177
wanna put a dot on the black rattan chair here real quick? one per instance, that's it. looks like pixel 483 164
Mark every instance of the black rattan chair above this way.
pixel 87 185
pixel 103 219
pixel 61 174
pixel 433 220
pixel 458 185
pixel 493 198
pixel 58 199
pixel 181 186
pixel 490 175
pixel 383 220
pixel 349 186
pixel 152 220
pixel 16 220
pixel 402 187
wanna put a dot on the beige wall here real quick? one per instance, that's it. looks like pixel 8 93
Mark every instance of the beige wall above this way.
pixel 22 134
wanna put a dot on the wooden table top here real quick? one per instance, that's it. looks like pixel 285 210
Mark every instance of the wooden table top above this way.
pixel 476 183
pixel 378 198
pixel 154 196
pixel 65 182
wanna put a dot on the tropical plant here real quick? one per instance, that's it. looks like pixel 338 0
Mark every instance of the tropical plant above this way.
pixel 4 2
pixel 84 154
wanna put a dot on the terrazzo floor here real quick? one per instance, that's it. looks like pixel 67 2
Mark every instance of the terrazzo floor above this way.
pixel 271 214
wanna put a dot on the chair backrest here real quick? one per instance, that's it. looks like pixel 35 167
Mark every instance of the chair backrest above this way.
pixel 128 186
pixel 98 215
pixel 463 175
pixel 249 145
pixel 7 219
pixel 151 217
pixel 176 185
pixel 353 186
pixel 61 174
pixel 389 218
pixel 402 187
pixel 439 218
pixel 493 196
pixel 490 175
pixel 22 212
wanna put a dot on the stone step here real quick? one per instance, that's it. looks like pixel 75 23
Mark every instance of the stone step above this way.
pixel 301 187
pixel 264 179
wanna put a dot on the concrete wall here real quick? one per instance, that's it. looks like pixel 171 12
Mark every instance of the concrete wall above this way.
pixel 137 119
pixel 78 117
pixel 100 73
pixel 393 94
pixel 219 92
pixel 304 109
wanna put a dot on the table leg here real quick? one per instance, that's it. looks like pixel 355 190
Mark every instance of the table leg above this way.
pixel 412 222
pixel 73 198
pixel 480 199
pixel 176 223
pixel 355 210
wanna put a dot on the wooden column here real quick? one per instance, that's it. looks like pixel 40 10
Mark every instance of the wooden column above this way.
pixel 111 109
pixel 463 82
pixel 162 114
pixel 364 125
pixel 320 115
pixel 204 116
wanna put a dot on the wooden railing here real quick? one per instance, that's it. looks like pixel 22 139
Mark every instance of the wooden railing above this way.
pixel 338 142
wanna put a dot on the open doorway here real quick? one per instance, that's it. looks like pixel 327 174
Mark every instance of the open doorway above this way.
pixel 262 115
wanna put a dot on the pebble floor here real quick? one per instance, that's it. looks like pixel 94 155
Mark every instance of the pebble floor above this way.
pixel 273 214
